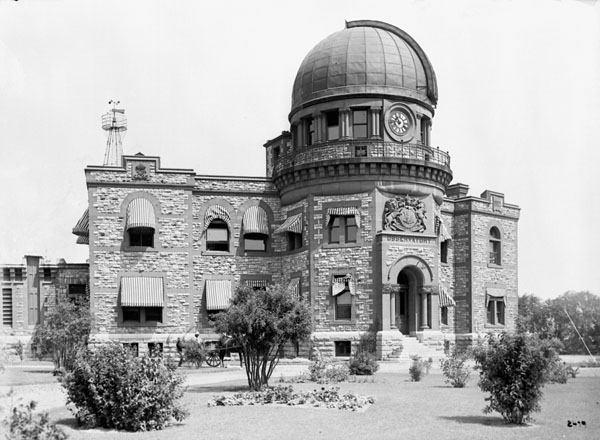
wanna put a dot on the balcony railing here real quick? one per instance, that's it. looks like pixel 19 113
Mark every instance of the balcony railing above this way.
pixel 359 149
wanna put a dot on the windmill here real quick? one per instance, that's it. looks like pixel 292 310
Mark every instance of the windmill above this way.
pixel 115 124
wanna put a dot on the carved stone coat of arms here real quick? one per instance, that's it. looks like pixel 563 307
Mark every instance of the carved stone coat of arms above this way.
pixel 404 214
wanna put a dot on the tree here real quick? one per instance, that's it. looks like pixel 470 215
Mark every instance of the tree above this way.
pixel 65 331
pixel 584 310
pixel 535 316
pixel 513 369
pixel 261 322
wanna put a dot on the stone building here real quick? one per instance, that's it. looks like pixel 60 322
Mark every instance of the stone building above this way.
pixel 356 215
pixel 29 290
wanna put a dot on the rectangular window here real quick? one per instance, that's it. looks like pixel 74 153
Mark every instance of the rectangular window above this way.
pixel 309 131
pixel 255 242
pixel 444 315
pixel 217 236
pixel 359 124
pixel 6 274
pixel 332 119
pixel 7 307
pixel 343 348
pixel 425 124
pixel 132 314
pixel 343 226
pixel 343 306
pixel 444 251
pixel 276 153
pixel 77 292
pixel 495 311
pixel 360 151
pixel 18 274
pixel 133 346
pixel 153 314
pixel 294 241
pixel 142 314
pixel 47 275
pixel 141 237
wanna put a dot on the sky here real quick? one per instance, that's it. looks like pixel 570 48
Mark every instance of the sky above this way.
pixel 205 84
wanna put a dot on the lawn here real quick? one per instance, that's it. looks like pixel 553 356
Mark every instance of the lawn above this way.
pixel 403 410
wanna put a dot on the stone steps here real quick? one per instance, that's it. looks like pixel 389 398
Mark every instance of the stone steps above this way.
pixel 411 347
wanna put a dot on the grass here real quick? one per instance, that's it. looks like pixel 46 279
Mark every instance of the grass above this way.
pixel 403 410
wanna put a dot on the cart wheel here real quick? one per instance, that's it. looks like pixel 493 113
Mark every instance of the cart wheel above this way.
pixel 213 359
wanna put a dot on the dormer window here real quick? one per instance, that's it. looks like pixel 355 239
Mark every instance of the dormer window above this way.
pixel 332 120
pixel 359 124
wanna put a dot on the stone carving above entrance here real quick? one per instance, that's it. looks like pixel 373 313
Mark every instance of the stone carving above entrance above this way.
pixel 139 171
pixel 404 214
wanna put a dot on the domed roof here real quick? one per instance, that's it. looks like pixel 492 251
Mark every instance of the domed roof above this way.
pixel 367 57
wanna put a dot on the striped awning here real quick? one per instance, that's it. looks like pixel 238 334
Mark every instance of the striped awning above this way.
pixel 216 212
pixel 255 221
pixel 82 228
pixel 256 283
pixel 342 283
pixel 294 287
pixel 291 224
pixel 218 294
pixel 83 240
pixel 140 214
pixel 342 211
pixel 445 299
pixel 142 292
pixel 494 292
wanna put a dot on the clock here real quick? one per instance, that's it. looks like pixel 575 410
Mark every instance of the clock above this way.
pixel 399 122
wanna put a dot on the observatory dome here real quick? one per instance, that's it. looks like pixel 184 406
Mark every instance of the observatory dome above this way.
pixel 366 58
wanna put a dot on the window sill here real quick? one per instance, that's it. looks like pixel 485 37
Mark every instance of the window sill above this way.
pixel 343 321
pixel 257 254
pixel 445 264
pixel 218 253
pixel 340 245
pixel 140 249
pixel 141 324
pixel 494 266
pixel 497 326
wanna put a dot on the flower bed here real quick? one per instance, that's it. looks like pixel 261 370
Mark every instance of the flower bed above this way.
pixel 285 395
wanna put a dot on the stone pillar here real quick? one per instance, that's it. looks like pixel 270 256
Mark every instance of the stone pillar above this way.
pixel 318 126
pixel 374 122
pixel 393 295
pixel 424 309
pixel 386 291
pixel 345 123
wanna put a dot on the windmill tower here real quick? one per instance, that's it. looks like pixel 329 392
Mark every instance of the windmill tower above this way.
pixel 115 124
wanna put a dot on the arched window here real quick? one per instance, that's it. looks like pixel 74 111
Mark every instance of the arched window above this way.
pixel 217 236
pixel 256 229
pixel 141 223
pixel 495 247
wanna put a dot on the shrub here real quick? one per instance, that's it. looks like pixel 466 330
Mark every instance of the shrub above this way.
pixel 325 370
pixel 112 388
pixel 363 363
pixel 19 349
pixel 23 424
pixel 64 332
pixel 194 352
pixel 367 343
pixel 455 368
pixel 419 368
pixel 513 369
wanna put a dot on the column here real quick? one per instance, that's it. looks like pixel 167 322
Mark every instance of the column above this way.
pixel 345 122
pixel 393 295
pixel 374 122
pixel 424 309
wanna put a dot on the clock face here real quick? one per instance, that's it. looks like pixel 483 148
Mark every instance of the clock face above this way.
pixel 399 122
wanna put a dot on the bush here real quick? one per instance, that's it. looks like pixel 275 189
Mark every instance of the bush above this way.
pixel 23 424
pixel 194 352
pixel 419 368
pixel 367 343
pixel 112 388
pixel 63 333
pixel 363 363
pixel 455 368
pixel 513 369
pixel 324 370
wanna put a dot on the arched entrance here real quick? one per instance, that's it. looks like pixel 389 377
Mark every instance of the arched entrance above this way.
pixel 410 295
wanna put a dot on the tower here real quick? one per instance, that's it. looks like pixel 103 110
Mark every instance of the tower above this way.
pixel 115 125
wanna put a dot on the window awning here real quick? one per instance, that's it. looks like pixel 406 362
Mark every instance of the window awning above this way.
pixel 82 228
pixel 294 287
pixel 218 294
pixel 83 240
pixel 443 230
pixel 142 292
pixel 291 224
pixel 496 293
pixel 256 283
pixel 140 214
pixel 346 210
pixel 342 283
pixel 216 212
pixel 255 221
pixel 445 299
